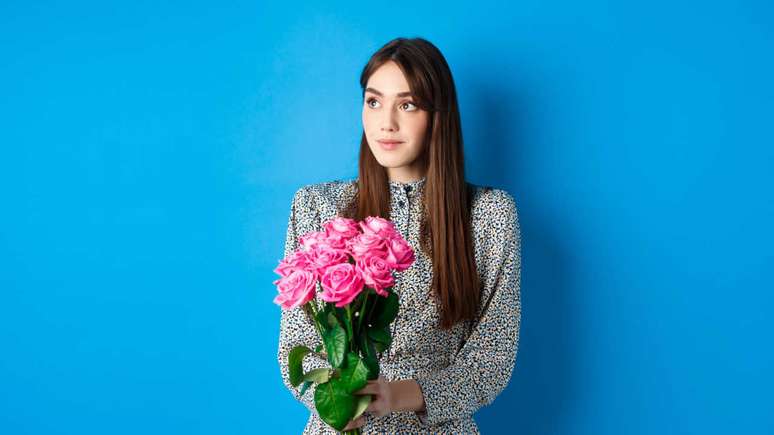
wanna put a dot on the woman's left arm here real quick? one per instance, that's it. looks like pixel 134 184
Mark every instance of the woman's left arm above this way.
pixel 483 367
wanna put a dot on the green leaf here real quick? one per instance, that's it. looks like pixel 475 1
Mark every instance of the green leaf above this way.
pixel 381 338
pixel 347 325
pixel 323 316
pixel 361 403
pixel 295 364
pixel 305 386
pixel 328 308
pixel 322 319
pixel 335 344
pixel 385 311
pixel 334 404
pixel 355 374
pixel 380 335
pixel 332 320
pixel 318 375
pixel 318 348
pixel 369 357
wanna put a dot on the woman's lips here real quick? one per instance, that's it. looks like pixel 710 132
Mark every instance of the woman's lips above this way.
pixel 389 144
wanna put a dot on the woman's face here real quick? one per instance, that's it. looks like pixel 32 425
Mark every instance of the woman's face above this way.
pixel 390 114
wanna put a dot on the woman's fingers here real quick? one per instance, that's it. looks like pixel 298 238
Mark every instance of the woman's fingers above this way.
pixel 368 389
pixel 371 387
pixel 353 424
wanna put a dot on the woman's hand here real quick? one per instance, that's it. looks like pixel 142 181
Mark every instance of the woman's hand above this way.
pixel 389 396
pixel 381 402
pixel 354 424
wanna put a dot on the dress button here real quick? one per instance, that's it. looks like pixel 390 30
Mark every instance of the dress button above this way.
pixel 401 203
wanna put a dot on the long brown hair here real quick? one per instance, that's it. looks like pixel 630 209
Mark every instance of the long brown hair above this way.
pixel 445 225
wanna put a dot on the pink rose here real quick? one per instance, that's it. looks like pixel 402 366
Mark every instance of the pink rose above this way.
pixel 296 289
pixel 341 229
pixel 400 256
pixel 341 284
pixel 321 257
pixel 376 273
pixel 315 238
pixel 296 260
pixel 378 226
pixel 367 244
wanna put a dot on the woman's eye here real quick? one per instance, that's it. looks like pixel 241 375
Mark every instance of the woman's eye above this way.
pixel 412 107
pixel 410 103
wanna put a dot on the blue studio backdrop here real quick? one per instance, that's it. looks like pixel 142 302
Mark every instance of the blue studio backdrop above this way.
pixel 150 152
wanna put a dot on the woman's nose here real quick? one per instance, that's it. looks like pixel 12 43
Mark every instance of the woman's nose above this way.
pixel 389 121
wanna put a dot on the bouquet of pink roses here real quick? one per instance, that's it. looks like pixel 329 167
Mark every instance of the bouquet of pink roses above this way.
pixel 351 265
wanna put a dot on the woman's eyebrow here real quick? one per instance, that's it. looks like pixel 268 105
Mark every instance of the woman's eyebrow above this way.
pixel 399 94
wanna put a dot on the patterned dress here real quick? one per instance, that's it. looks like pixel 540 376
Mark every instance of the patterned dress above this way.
pixel 458 370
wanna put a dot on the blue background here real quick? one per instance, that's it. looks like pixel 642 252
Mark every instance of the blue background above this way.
pixel 150 153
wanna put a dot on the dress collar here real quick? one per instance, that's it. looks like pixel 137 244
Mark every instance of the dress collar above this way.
pixel 409 188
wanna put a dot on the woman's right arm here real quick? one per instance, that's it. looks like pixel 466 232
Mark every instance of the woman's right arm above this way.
pixel 296 328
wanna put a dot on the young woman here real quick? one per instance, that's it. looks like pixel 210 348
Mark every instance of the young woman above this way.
pixel 456 335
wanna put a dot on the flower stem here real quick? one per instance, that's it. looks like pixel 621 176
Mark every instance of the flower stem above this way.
pixel 311 306
pixel 349 327
pixel 371 311
pixel 362 310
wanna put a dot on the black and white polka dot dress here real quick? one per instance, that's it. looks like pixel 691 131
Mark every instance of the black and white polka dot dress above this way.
pixel 459 370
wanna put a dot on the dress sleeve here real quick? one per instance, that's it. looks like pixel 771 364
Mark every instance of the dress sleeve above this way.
pixel 483 366
pixel 296 327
